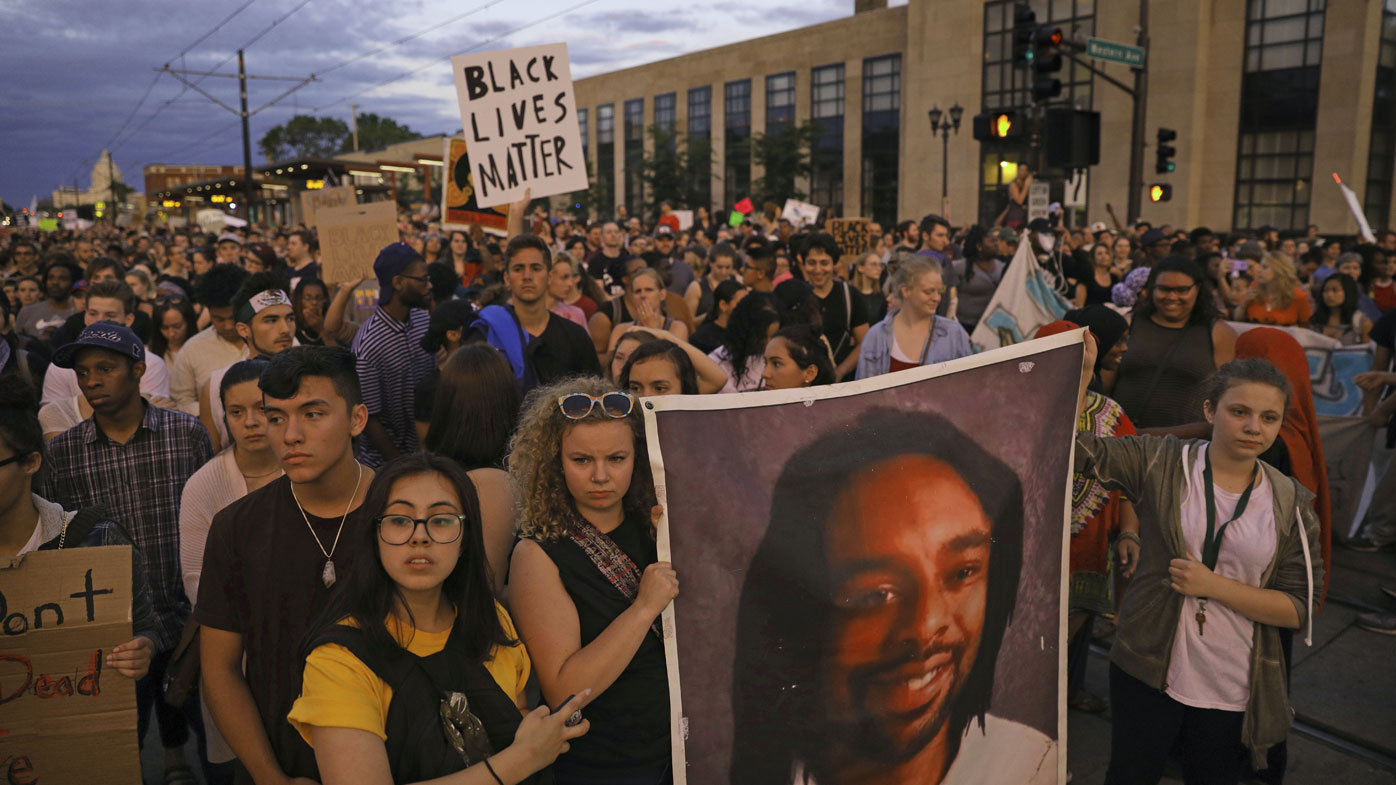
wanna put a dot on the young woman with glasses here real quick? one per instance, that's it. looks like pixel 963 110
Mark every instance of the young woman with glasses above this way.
pixel 414 672
pixel 1176 342
pixel 585 583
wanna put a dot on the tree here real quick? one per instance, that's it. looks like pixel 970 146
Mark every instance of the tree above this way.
pixel 376 133
pixel 304 136
pixel 785 156
pixel 663 168
pixel 698 172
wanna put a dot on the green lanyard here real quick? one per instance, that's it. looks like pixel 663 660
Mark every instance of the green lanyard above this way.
pixel 1211 545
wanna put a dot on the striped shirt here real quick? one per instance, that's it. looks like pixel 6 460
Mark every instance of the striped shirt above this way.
pixel 390 363
pixel 139 483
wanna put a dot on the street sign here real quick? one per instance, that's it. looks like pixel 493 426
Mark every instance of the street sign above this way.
pixel 1109 51
pixel 1074 194
pixel 1039 194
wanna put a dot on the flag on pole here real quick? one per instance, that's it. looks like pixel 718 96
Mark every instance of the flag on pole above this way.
pixel 1363 228
pixel 1025 300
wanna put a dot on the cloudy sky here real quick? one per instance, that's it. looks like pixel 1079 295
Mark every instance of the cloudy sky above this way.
pixel 79 74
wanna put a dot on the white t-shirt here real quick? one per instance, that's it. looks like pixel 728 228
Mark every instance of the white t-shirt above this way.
pixel 1004 752
pixel 1212 670
pixel 60 383
pixel 755 366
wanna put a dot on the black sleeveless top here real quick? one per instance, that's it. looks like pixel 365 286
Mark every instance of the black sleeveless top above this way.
pixel 417 745
pixel 1163 375
pixel 630 720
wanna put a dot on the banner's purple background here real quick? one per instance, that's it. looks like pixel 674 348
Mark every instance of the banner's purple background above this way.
pixel 721 466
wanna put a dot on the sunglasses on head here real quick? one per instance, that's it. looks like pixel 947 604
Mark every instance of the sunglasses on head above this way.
pixel 576 406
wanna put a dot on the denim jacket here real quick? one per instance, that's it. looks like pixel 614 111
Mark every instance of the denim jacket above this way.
pixel 948 342
pixel 1153 473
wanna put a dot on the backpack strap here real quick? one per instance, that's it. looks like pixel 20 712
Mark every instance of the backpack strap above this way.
pixel 76 530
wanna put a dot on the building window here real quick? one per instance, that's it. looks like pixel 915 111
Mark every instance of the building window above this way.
pixel 736 181
pixel 1382 157
pixel 665 111
pixel 700 131
pixel 882 90
pixel 826 159
pixel 780 101
pixel 582 124
pixel 634 155
pixel 1279 110
pixel 605 158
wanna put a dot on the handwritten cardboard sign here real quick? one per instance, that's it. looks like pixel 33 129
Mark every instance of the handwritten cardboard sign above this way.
pixel 853 235
pixel 459 207
pixel 64 716
pixel 520 119
pixel 314 201
pixel 351 237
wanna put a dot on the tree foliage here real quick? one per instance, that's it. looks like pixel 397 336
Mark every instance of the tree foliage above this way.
pixel 304 136
pixel 785 156
pixel 376 133
pixel 674 170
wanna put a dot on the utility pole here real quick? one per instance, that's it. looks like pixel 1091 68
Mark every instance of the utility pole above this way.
pixel 1136 141
pixel 111 183
pixel 248 190
pixel 354 123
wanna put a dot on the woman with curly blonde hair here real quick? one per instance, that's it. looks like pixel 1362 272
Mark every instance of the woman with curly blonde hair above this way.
pixel 585 584
pixel 1277 299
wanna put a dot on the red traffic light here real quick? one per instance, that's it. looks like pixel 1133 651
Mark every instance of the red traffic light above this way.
pixel 1048 37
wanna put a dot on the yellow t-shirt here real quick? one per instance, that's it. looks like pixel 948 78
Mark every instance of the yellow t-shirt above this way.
pixel 340 691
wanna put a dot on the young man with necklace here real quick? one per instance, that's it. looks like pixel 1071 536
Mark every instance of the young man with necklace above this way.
pixel 273 556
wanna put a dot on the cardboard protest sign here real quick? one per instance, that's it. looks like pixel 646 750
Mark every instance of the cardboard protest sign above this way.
pixel 520 119
pixel 459 207
pixel 800 213
pixel 64 716
pixel 313 201
pixel 782 652
pixel 351 237
pixel 853 235
pixel 1025 300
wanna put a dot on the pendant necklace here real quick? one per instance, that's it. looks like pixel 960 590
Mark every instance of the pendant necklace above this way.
pixel 327 574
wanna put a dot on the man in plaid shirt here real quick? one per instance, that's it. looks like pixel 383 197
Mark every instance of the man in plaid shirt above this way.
pixel 133 459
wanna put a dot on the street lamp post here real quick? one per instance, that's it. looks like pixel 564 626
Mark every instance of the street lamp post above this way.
pixel 951 125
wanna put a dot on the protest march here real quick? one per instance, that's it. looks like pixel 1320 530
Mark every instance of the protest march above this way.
pixel 471 478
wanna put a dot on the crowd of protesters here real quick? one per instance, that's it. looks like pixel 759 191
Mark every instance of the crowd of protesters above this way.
pixel 446 461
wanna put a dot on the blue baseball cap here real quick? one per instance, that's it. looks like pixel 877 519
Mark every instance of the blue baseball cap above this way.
pixel 103 335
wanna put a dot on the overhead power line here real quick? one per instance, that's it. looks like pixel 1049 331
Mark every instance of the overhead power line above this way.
pixel 437 61
pixel 212 30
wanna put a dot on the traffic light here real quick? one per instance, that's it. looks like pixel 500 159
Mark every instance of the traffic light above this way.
pixel 1046 63
pixel 993 126
pixel 1164 152
pixel 1024 24
pixel 1160 192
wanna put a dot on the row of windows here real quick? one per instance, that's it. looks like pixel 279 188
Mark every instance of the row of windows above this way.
pixel 1382 156
pixel 881 121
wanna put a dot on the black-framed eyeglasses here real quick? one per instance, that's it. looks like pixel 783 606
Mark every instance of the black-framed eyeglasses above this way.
pixel 576 406
pixel 1177 290
pixel 443 527
pixel 15 458
pixel 417 278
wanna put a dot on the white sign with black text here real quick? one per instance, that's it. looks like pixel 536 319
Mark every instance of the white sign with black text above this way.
pixel 520 119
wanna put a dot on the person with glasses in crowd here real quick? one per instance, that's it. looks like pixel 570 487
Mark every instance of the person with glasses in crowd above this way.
pixel 1176 343
pixel 585 584
pixel 416 643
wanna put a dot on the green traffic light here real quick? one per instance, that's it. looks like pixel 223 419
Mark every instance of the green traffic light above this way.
pixel 1172 166
pixel 1030 56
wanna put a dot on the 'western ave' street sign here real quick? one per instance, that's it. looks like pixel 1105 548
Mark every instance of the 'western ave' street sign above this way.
pixel 1124 54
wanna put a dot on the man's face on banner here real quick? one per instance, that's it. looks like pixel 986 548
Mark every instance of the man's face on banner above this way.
pixel 908 552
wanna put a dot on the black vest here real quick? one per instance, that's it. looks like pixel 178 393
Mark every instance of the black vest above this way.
pixel 417 745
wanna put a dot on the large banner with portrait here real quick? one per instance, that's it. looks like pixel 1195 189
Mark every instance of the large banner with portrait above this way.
pixel 872 574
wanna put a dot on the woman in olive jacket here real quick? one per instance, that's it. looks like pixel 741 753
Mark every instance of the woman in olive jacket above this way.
pixel 1228 556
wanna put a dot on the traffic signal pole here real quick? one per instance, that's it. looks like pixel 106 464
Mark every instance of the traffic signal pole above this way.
pixel 1136 142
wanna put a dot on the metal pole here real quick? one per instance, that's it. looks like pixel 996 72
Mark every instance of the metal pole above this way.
pixel 944 162
pixel 1136 144
pixel 354 123
pixel 248 189
pixel 111 184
